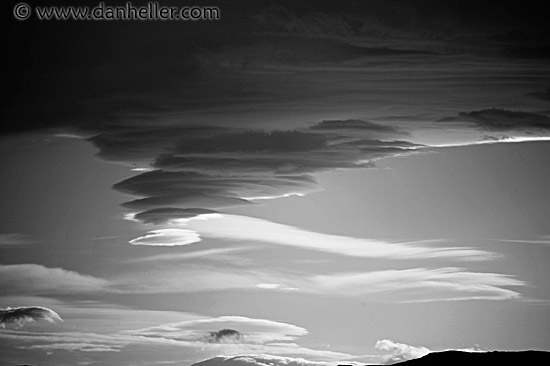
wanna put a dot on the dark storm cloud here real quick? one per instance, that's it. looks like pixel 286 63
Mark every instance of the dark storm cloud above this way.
pixel 252 141
pixel 155 96
pixel 354 125
pixel 29 314
pixel 185 189
pixel 135 143
pixel 213 168
pixel 502 120
pixel 224 336
pixel 275 51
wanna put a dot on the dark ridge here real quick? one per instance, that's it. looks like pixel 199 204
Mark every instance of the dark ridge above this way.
pixel 480 358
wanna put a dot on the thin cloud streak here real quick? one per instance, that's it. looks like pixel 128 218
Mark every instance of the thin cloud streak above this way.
pixel 38 279
pixel 421 284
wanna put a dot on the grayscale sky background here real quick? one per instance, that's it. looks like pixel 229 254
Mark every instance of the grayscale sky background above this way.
pixel 301 183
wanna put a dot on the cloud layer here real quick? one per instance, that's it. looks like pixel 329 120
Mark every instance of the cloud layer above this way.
pixel 20 316
pixel 503 120
pixel 257 360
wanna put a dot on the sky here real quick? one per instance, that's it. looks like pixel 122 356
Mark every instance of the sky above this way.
pixel 297 183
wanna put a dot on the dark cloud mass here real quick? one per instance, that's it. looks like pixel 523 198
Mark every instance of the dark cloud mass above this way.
pixel 198 102
pixel 354 125
pixel 198 170
pixel 224 336
pixel 502 119
pixel 160 215
pixel 20 316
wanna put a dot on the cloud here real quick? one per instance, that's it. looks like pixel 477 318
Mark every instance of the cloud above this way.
pixel 502 120
pixel 37 279
pixel 167 238
pixel 218 254
pixel 251 331
pixel 197 169
pixel 161 215
pixel 355 125
pixel 252 142
pixel 13 239
pixel 244 228
pixel 420 285
pixel 224 336
pixel 544 95
pixel 399 352
pixel 193 338
pixel 392 285
pixel 20 316
pixel 257 360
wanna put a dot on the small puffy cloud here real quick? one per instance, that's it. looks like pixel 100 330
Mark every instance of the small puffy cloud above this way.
pixel 20 316
pixel 257 360
pixel 399 352
pixel 38 279
pixel 502 120
pixel 224 336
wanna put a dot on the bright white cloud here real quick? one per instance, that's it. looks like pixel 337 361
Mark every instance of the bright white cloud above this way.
pixel 243 228
pixel 399 352
pixel 427 284
pixel 167 237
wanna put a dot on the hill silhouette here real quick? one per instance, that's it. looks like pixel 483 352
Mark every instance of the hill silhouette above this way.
pixel 480 358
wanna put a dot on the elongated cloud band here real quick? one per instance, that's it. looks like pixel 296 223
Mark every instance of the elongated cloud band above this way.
pixel 243 228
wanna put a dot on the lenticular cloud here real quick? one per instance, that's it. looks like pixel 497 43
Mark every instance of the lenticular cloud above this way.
pixel 21 316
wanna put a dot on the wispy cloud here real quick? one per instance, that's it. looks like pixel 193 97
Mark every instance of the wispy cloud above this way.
pixel 219 254
pixel 421 284
pixel 14 239
pixel 38 279
pixel 503 120
pixel 243 228
pixel 414 284
pixel 193 337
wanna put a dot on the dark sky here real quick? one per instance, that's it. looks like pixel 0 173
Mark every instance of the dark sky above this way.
pixel 63 73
